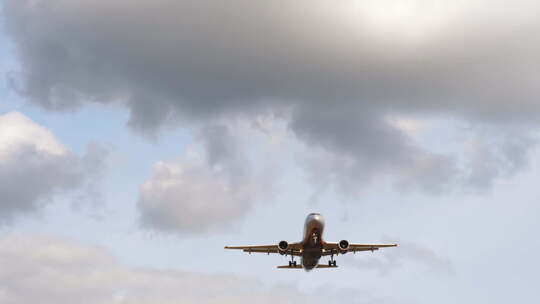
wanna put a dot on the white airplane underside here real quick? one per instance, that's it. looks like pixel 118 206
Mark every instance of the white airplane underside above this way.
pixel 312 247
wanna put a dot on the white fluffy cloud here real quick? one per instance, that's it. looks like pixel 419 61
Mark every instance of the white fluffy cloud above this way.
pixel 34 166
pixel 202 192
pixel 188 195
pixel 18 130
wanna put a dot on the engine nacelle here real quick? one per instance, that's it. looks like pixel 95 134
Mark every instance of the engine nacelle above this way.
pixel 343 246
pixel 283 247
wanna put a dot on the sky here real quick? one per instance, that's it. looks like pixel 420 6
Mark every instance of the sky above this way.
pixel 138 138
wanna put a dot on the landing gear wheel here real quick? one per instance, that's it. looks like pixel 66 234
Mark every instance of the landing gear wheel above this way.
pixel 332 262
pixel 292 262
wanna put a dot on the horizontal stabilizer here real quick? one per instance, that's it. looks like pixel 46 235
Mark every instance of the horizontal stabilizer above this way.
pixel 300 267
pixel 326 266
pixel 290 267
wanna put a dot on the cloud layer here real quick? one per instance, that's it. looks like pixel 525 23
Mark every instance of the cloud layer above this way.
pixel 53 271
pixel 202 58
pixel 338 69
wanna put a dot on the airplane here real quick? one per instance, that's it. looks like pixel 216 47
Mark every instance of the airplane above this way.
pixel 312 247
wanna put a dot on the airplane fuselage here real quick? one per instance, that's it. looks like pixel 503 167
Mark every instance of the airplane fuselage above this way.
pixel 312 243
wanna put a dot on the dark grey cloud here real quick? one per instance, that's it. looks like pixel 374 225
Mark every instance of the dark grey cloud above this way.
pixel 354 145
pixel 338 68
pixel 34 166
pixel 205 58
pixel 223 150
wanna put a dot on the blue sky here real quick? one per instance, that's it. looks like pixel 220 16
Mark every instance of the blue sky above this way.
pixel 184 141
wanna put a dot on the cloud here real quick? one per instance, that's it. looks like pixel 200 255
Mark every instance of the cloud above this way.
pixel 35 166
pixel 201 192
pixel 339 69
pixel 492 153
pixel 346 150
pixel 49 270
pixel 409 254
pixel 188 195
pixel 210 58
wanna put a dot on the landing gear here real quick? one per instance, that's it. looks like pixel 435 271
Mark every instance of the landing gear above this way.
pixel 292 262
pixel 332 262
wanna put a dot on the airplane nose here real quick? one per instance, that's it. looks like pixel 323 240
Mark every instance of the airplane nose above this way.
pixel 316 217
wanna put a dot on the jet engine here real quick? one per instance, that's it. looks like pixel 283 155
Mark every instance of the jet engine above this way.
pixel 283 247
pixel 343 246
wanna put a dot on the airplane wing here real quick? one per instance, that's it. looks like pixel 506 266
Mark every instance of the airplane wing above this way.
pixel 294 249
pixel 334 248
